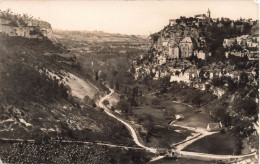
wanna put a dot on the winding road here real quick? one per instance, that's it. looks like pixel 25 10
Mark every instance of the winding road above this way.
pixel 129 127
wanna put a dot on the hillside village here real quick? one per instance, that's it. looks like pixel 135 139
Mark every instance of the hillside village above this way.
pixel 95 96
pixel 183 51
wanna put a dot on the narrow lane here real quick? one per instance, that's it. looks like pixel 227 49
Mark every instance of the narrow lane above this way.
pixel 129 127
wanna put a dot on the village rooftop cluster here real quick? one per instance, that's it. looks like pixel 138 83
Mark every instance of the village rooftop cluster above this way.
pixel 181 50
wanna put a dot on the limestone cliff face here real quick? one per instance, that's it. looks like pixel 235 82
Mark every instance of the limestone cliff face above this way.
pixel 15 25
pixel 172 35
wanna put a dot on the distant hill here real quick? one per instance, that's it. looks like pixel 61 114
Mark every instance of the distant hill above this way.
pixel 97 36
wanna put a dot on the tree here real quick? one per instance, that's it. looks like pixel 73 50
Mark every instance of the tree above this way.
pixel 246 106
pixel 165 81
pixel 217 82
pixel 177 73
pixel 219 113
pixel 243 79
pixel 103 76
pixel 96 76
pixel 112 108
pixel 178 21
pixel 232 87
pixel 117 86
pixel 87 100
pixel 170 113
pixel 148 124
pixel 106 102
pixel 124 106
pixel 94 105
pixel 155 37
pixel 156 102
pixel 207 97
pixel 165 141
pixel 133 101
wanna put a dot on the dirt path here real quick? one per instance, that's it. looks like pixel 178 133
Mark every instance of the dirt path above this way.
pixel 129 127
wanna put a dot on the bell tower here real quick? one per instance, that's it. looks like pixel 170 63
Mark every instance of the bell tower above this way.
pixel 208 13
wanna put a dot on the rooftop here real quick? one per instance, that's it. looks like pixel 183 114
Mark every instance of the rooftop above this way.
pixel 187 40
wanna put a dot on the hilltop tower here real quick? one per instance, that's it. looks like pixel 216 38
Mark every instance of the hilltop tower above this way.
pixel 208 13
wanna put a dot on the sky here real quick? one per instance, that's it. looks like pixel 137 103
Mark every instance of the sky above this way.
pixel 127 17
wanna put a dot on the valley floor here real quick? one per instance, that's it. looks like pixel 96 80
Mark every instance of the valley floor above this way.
pixel 202 133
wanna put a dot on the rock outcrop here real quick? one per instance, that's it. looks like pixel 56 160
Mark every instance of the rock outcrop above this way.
pixel 17 25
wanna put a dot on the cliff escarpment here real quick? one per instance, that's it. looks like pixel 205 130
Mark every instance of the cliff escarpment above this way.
pixel 24 25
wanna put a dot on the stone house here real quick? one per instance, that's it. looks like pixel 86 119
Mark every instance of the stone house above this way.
pixel 220 25
pixel 180 77
pixel 228 42
pixel 237 53
pixel 239 27
pixel 218 73
pixel 161 60
pixel 242 38
pixel 202 41
pixel 190 74
pixel 200 54
pixel 165 44
pixel 218 91
pixel 157 75
pixel 214 127
pixel 163 73
pixel 227 53
pixel 174 52
pixel 172 22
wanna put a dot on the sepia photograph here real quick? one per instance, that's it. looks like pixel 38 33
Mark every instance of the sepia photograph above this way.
pixel 129 82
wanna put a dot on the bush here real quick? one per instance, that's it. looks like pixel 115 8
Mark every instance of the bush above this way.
pixel 106 102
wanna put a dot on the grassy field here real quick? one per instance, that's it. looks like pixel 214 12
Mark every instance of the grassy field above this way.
pixel 146 109
pixel 221 144
pixel 191 118
pixel 162 134
pixel 162 137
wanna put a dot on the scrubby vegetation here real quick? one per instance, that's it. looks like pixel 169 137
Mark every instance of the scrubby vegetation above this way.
pixel 22 83
pixel 22 80
pixel 48 151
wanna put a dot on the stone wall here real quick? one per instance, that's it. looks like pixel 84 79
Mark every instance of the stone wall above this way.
pixel 213 157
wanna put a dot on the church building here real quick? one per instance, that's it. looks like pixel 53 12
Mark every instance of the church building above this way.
pixel 186 47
